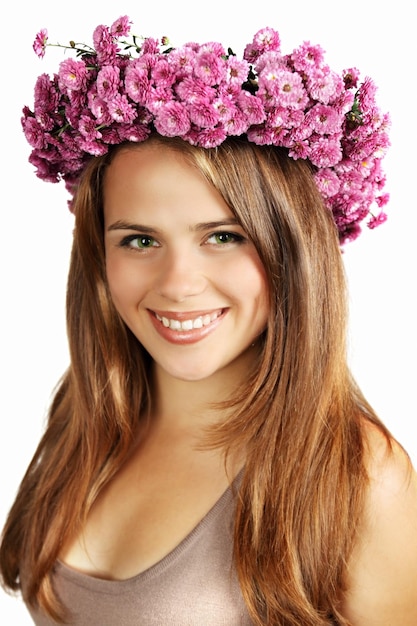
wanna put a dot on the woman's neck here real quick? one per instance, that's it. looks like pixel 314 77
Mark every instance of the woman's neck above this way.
pixel 194 405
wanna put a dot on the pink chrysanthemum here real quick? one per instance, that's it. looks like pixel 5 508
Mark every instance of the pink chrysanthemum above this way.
pixel 72 116
pixel 236 125
pixel 76 99
pixel 34 133
pixel 377 220
pixel 366 94
pixel 172 120
pixel 105 45
pixel 267 39
pixel 282 88
pixel 213 47
pixel 88 128
pixel 39 45
pixel 163 73
pixel 210 68
pixel 99 109
pixel 108 81
pixel 121 27
pixel 351 184
pixel 306 56
pixel 121 110
pixel 46 168
pixel 383 199
pixel 95 148
pixel 158 97
pixel 150 46
pixel 203 114
pixel 72 75
pixel 252 106
pixel 210 137
pixel 204 94
pixel 237 71
pixel 133 132
pixel 272 59
pixel 182 60
pixel 324 119
pixel 299 149
pixel 324 86
pixel 325 152
pixel 137 83
pixel 46 121
pixel 193 89
pixel 260 135
pixel 351 77
pixel 46 95
pixel 226 109
pixel 327 182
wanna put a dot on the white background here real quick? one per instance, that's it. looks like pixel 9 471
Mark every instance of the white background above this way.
pixel 36 225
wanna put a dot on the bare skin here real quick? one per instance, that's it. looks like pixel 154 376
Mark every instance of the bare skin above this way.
pixel 161 493
pixel 382 572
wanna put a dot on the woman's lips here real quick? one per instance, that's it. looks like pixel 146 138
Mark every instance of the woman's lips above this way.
pixel 187 327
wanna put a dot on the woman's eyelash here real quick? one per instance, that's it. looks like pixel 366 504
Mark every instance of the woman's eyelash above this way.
pixel 217 238
pixel 225 237
pixel 146 241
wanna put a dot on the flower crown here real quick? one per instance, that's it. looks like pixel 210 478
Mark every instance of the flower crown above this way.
pixel 123 90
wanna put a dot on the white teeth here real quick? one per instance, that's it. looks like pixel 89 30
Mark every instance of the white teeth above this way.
pixel 198 322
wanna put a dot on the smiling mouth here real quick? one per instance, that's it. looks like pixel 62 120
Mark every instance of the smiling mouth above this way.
pixel 192 323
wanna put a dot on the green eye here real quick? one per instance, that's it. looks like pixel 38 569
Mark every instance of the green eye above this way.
pixel 138 242
pixel 144 242
pixel 222 238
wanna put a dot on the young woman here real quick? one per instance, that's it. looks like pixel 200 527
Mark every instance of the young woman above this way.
pixel 208 458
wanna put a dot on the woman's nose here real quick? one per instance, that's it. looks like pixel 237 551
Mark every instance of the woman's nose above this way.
pixel 181 276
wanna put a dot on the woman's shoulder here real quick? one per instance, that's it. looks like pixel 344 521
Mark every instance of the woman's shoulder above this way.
pixel 382 570
pixel 387 463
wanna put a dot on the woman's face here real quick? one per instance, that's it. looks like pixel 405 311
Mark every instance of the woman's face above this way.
pixel 182 273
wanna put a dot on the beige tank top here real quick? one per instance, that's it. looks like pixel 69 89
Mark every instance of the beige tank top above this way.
pixel 194 585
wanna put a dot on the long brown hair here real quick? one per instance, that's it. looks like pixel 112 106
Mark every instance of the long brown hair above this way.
pixel 299 419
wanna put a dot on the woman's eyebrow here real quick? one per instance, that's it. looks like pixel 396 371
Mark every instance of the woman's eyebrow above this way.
pixel 215 224
pixel 201 226
pixel 122 225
